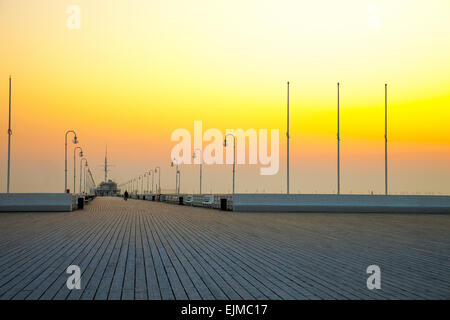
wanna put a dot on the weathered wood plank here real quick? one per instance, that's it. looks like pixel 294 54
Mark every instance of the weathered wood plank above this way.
pixel 150 250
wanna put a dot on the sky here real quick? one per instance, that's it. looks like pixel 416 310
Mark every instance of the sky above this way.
pixel 137 70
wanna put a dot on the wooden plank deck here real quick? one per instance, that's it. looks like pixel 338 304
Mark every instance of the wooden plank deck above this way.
pixel 147 250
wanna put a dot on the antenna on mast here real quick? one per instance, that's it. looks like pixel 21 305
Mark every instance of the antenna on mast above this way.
pixel 106 164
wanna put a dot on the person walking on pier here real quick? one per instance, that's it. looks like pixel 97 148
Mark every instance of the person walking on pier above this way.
pixel 125 195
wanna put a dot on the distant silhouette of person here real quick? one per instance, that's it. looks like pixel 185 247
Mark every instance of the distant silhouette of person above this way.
pixel 125 196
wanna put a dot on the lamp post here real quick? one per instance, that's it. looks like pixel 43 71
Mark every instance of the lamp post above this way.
pixel 148 180
pixel 141 177
pixel 201 162
pixel 81 170
pixel 137 185
pixel 75 141
pixel 146 175
pixel 177 177
pixel 159 179
pixel 153 178
pixel 234 154
pixel 74 166
pixel 85 167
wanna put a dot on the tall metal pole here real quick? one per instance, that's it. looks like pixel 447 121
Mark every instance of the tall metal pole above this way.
pixel 75 141
pixel 81 169
pixel 9 140
pixel 177 176
pixel 106 164
pixel 287 147
pixel 234 155
pixel 179 179
pixel 65 163
pixel 75 167
pixel 385 141
pixel 85 167
pixel 338 147
pixel 153 179
pixel 201 162
pixel 201 172
pixel 159 179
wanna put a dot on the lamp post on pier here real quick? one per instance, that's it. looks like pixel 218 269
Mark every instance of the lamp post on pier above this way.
pixel 177 176
pixel 81 170
pixel 201 162
pixel 146 175
pixel 148 179
pixel 85 167
pixel 75 141
pixel 234 154
pixel 159 179
pixel 75 167
pixel 141 178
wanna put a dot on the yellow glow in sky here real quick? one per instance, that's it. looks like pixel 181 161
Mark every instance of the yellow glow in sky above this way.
pixel 137 70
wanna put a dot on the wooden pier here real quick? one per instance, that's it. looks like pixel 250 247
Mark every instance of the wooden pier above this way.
pixel 149 250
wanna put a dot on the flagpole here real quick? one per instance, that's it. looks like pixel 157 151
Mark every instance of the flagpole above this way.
pixel 338 146
pixel 287 146
pixel 9 140
pixel 385 141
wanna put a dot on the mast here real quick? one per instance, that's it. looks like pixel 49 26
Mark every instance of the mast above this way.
pixel 9 139
pixel 385 142
pixel 287 143
pixel 338 147
pixel 106 164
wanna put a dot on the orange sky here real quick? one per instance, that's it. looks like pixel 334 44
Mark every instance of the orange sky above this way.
pixel 137 70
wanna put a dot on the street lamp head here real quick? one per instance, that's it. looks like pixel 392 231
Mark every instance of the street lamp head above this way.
pixel 75 140
pixel 225 142
pixel 81 153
